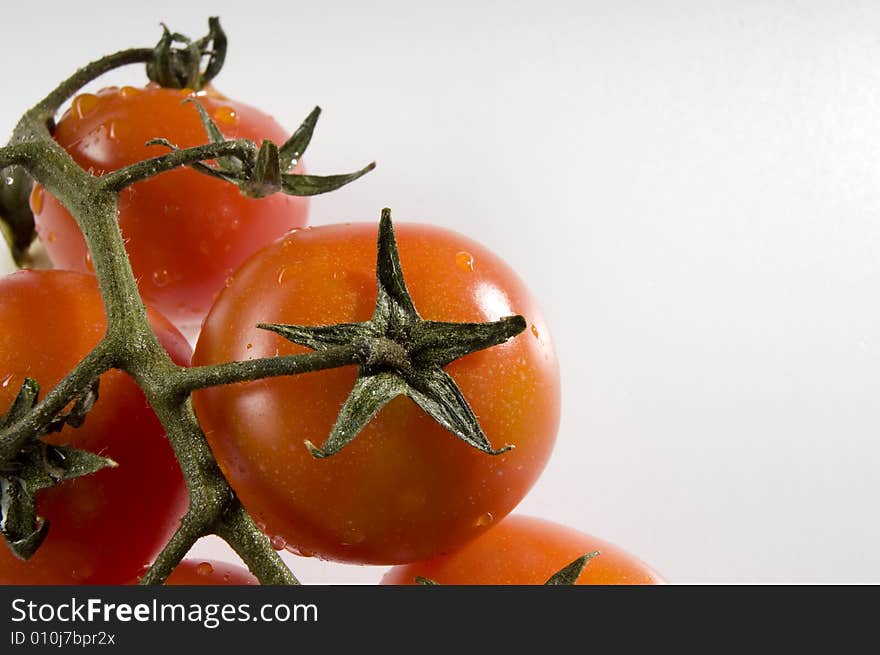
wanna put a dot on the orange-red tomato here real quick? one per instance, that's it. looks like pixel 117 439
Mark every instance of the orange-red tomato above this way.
pixel 104 527
pixel 185 232
pixel 210 572
pixel 405 488
pixel 522 550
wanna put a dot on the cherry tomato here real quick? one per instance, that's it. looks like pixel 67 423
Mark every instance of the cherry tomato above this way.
pixel 211 573
pixel 522 550
pixel 405 488
pixel 185 232
pixel 104 527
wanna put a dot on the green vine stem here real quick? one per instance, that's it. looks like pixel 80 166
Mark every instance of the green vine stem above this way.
pixel 131 345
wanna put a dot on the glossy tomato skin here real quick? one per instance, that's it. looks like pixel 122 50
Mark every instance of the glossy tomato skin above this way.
pixel 405 488
pixel 103 527
pixel 185 232
pixel 523 550
pixel 210 573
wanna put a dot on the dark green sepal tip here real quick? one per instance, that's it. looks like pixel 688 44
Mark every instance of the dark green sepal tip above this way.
pixel 570 573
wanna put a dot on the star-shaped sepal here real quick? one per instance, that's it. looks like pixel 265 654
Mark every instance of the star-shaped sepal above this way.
pixel 269 171
pixel 37 466
pixel 402 354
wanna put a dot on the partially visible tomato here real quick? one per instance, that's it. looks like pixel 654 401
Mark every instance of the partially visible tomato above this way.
pixel 104 527
pixel 405 488
pixel 522 550
pixel 211 573
pixel 185 232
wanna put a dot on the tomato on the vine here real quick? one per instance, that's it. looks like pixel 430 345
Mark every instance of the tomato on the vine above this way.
pixel 405 488
pixel 185 232
pixel 523 550
pixel 210 573
pixel 103 527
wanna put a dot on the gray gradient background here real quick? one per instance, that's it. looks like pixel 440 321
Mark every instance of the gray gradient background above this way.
pixel 692 190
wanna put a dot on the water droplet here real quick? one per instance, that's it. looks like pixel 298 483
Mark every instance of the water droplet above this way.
pixel 226 115
pixel 302 552
pixel 484 519
pixel 119 130
pixel 204 568
pixel 465 261
pixel 160 277
pixel 37 198
pixel 5 382
pixel 84 104
pixel 128 91
pixel 51 237
pixel 229 281
pixel 534 332
pixel 90 265
pixel 278 542
pixel 281 273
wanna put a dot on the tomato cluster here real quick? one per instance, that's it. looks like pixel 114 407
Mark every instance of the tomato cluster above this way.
pixel 404 491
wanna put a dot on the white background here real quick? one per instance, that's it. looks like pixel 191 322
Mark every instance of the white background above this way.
pixel 691 189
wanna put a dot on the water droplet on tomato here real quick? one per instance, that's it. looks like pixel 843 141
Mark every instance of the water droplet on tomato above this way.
pixel 302 552
pixel 160 277
pixel 119 130
pixel 534 332
pixel 278 542
pixel 37 197
pixel 465 261
pixel 84 104
pixel 281 272
pixel 51 237
pixel 226 115
pixel 5 382
pixel 484 519
pixel 90 265
pixel 204 568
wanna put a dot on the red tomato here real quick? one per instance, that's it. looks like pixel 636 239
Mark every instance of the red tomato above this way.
pixel 104 527
pixel 185 232
pixel 405 488
pixel 211 573
pixel 522 550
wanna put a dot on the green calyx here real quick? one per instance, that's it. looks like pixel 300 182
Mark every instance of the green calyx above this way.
pixel 401 354
pixel 37 466
pixel 176 62
pixel 270 170
pixel 16 218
